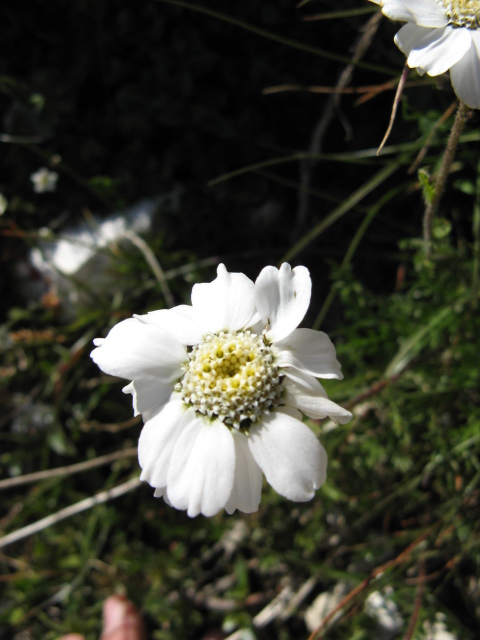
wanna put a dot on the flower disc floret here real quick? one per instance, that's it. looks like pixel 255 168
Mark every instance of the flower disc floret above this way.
pixel 462 13
pixel 232 377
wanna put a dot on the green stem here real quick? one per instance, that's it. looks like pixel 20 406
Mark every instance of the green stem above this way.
pixel 342 209
pixel 351 251
pixel 463 113
pixel 276 38
pixel 476 243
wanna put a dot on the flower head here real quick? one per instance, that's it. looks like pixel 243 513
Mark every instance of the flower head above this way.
pixel 3 204
pixel 441 35
pixel 44 180
pixel 221 385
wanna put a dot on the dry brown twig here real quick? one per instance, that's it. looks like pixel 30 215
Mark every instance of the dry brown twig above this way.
pixel 423 151
pixel 368 90
pixel 110 427
pixel 67 512
pixel 417 604
pixel 8 483
pixel 332 106
pixel 400 559
pixel 463 114
pixel 396 102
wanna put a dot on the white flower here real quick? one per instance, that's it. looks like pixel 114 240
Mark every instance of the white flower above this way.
pixel 3 204
pixel 438 630
pixel 441 35
pixel 381 607
pixel 44 180
pixel 221 384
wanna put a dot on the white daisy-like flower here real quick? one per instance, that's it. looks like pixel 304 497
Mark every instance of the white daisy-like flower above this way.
pixel 221 385
pixel 3 204
pixel 44 180
pixel 441 35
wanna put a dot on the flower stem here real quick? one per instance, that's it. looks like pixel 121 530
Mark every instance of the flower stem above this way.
pixel 476 244
pixel 463 113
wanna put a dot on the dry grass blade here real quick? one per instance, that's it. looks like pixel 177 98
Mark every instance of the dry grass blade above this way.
pixel 418 603
pixel 8 483
pixel 400 559
pixel 423 151
pixel 72 510
pixel 331 108
pixel 396 102
pixel 332 15
pixel 153 264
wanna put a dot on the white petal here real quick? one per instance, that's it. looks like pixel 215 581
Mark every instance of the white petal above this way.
pixel 258 326
pixel 306 381
pixel 200 475
pixel 227 303
pixel 179 321
pixel 290 411
pixel 148 393
pixel 313 403
pixel 433 50
pixel 282 297
pixel 465 74
pixel 247 483
pixel 411 35
pixel 425 13
pixel 133 349
pixel 309 351
pixel 290 456
pixel 129 388
pixel 158 439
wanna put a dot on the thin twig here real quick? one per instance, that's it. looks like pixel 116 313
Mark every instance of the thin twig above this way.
pixel 371 391
pixel 350 202
pixel 8 483
pixel 423 151
pixel 400 559
pixel 154 265
pixel 269 35
pixel 418 603
pixel 308 164
pixel 339 14
pixel 367 89
pixel 396 102
pixel 463 113
pixel 368 30
pixel 476 243
pixel 114 427
pixel 74 509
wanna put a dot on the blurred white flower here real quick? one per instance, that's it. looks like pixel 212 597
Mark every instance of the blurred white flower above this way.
pixel 44 180
pixel 324 604
pixel 66 266
pixel 384 611
pixel 441 35
pixel 438 630
pixel 3 204
pixel 221 384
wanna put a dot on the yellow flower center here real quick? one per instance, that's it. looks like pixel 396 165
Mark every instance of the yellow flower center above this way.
pixel 231 377
pixel 462 13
